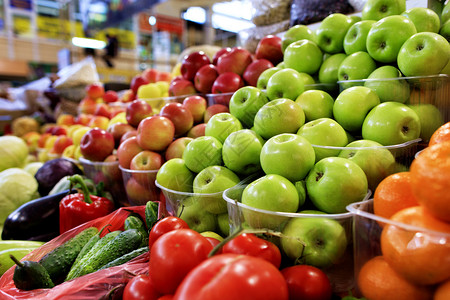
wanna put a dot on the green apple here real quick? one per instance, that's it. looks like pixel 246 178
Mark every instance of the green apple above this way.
pixel 386 81
pixel 445 13
pixel 308 80
pixel 355 39
pixel 387 36
pixel 378 9
pixel 296 33
pixel 280 65
pixel 316 104
pixel 273 193
pixel 245 103
pixel 223 224
pixel 328 72
pixel 203 152
pixel 324 134
pixel 263 78
pixel 332 31
pixel 303 56
pixel 174 175
pixel 425 53
pixel 278 116
pixel 212 181
pixel 356 66
pixel 317 241
pixel 196 216
pixel 334 183
pixel 391 123
pixel 445 30
pixel 286 83
pixel 288 155
pixel 241 152
pixel 221 125
pixel 355 18
pixel 352 105
pixel 301 190
pixel 430 119
pixel 425 19
pixel 375 160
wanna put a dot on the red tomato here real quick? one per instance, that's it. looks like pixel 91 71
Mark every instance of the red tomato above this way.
pixel 140 287
pixel 173 255
pixel 250 244
pixel 307 282
pixel 166 297
pixel 233 277
pixel 163 226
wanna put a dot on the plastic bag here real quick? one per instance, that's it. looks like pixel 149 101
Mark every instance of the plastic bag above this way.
pixel 78 74
pixel 266 12
pixel 103 283
pixel 312 11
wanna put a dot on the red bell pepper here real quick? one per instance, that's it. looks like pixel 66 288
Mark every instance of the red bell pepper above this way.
pixel 81 207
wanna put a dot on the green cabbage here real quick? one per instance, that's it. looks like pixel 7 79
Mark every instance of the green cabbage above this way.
pixel 17 187
pixel 13 152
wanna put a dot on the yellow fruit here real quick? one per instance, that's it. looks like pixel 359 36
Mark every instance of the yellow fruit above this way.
pixel 78 134
pixel 150 90
pixel 72 129
pixel 50 142
pixel 119 118
pixel 69 152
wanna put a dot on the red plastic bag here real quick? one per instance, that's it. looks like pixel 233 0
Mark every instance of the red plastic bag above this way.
pixel 97 285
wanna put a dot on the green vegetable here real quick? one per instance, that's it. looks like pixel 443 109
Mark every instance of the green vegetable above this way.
pixel 5 259
pixel 59 261
pixel 76 269
pixel 13 152
pixel 135 222
pixel 5 245
pixel 30 275
pixel 17 187
pixel 126 257
pixel 151 213
pixel 125 242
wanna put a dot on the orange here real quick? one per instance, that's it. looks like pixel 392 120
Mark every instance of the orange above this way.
pixel 441 134
pixel 393 194
pixel 430 179
pixel 378 281
pixel 420 256
pixel 442 292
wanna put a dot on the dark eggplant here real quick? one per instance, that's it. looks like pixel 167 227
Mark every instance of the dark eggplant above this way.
pixel 37 220
pixel 52 172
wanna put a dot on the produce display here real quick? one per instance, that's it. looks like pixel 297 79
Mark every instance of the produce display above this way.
pixel 314 168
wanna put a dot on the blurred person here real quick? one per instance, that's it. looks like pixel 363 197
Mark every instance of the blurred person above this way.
pixel 111 50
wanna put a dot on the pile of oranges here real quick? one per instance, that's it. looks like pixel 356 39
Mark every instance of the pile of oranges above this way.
pixel 414 261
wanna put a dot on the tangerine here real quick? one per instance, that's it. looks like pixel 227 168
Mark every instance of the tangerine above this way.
pixel 430 179
pixel 378 281
pixel 441 134
pixel 420 256
pixel 393 194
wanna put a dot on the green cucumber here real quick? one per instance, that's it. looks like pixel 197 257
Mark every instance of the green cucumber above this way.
pixel 76 269
pixel 151 213
pixel 135 222
pixel 125 242
pixel 30 275
pixel 58 261
pixel 126 257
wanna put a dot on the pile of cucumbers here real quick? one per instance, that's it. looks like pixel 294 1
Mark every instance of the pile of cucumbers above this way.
pixel 87 252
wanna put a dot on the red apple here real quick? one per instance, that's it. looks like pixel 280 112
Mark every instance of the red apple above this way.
pixel 118 130
pixel 83 119
pixel 96 144
pixel 65 119
pixel 176 148
pixel 234 61
pixel 146 161
pixel 204 78
pixel 150 74
pixel 110 170
pixel 197 131
pixel 214 109
pixel 219 54
pixel 155 133
pixel 253 70
pixel 137 111
pixel 115 110
pixel 269 47
pixel 58 130
pixel 181 87
pixel 61 143
pixel 87 106
pixel 128 96
pixel 95 90
pixel 110 96
pixel 127 150
pixel 191 63
pixel 180 116
pixel 42 139
pixel 136 82
pixel 99 121
pixel 102 109
pixel 139 194
pixel 226 83
pixel 164 76
pixel 197 106
pixel 128 135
